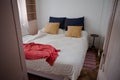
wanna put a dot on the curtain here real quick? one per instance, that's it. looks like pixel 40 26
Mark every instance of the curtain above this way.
pixel 23 17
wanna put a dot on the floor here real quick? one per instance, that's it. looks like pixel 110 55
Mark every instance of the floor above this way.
pixel 90 73
pixel 86 74
pixel 34 77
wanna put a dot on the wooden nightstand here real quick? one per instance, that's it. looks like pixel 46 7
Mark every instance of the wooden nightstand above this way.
pixel 92 47
pixel 94 36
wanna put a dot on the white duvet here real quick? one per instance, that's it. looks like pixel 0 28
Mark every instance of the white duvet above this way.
pixel 71 57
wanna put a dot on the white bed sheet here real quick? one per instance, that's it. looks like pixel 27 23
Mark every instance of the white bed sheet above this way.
pixel 71 57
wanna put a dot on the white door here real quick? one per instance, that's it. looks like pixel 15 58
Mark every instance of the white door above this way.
pixel 111 67
pixel 12 66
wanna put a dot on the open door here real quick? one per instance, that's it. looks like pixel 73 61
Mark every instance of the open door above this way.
pixel 110 61
pixel 12 65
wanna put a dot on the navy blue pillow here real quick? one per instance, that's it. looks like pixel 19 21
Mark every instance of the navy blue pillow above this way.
pixel 74 22
pixel 61 20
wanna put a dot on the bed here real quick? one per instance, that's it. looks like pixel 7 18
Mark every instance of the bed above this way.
pixel 68 64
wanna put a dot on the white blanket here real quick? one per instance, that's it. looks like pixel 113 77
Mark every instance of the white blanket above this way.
pixel 71 57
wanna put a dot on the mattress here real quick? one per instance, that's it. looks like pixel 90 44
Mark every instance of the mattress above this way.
pixel 71 56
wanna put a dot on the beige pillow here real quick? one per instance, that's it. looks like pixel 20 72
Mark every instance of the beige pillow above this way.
pixel 74 31
pixel 52 28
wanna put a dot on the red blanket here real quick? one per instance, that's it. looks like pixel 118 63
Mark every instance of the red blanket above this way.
pixel 37 51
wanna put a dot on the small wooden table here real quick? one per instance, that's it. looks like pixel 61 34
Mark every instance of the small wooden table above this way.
pixel 94 36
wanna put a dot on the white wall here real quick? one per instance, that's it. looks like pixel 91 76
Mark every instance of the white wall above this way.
pixel 105 16
pixel 96 13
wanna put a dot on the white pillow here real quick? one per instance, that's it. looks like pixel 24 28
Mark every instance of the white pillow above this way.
pixel 61 31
